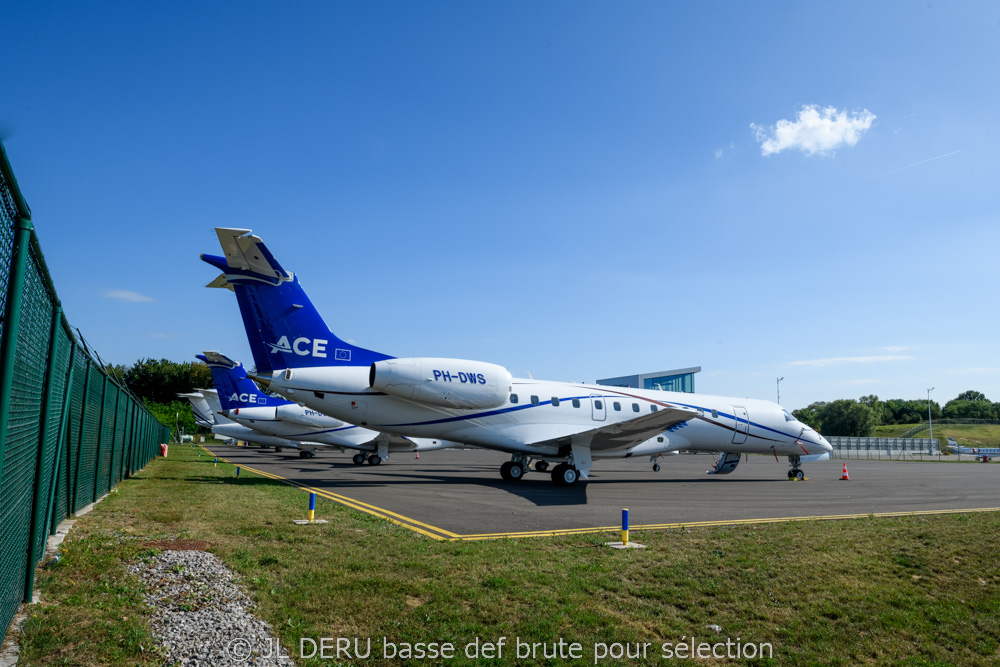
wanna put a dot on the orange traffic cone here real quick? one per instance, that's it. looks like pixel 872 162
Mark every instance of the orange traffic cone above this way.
pixel 418 455
pixel 844 474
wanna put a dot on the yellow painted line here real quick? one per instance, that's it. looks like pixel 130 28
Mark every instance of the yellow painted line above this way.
pixel 727 522
pixel 398 519
pixel 441 534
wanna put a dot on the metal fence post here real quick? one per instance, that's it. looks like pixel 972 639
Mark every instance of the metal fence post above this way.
pixel 83 427
pixel 63 439
pixel 39 514
pixel 100 438
pixel 12 321
pixel 114 440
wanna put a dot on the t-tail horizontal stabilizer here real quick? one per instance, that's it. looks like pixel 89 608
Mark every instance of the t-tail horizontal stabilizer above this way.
pixel 283 327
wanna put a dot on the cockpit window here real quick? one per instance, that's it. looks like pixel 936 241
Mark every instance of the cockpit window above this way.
pixel 788 417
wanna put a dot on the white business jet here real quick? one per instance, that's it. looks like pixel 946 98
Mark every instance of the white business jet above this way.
pixel 243 402
pixel 207 409
pixel 479 403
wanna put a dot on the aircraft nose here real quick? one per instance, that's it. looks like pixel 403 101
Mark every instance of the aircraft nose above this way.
pixel 827 447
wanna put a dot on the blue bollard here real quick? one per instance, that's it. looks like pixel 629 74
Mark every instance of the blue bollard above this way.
pixel 237 471
pixel 625 526
pixel 312 507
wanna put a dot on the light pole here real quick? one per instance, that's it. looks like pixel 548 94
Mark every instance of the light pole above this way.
pixel 930 423
pixel 779 390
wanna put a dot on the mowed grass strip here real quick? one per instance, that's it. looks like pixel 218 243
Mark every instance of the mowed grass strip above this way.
pixel 967 435
pixel 911 590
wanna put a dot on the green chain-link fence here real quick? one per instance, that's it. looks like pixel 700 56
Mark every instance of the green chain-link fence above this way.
pixel 68 431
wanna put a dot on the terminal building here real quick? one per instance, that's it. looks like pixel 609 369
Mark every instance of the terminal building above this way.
pixel 681 379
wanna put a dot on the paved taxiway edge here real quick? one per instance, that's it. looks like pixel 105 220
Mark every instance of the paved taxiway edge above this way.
pixel 441 534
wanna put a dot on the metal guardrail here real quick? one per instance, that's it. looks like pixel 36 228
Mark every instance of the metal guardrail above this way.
pixel 884 448
pixel 68 431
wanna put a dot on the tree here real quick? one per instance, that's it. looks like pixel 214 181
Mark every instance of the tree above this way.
pixel 810 416
pixel 876 407
pixel 172 413
pixel 971 395
pixel 161 381
pixel 964 409
pixel 901 411
pixel 847 417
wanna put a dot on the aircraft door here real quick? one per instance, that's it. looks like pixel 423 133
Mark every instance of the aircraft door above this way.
pixel 742 425
pixel 599 408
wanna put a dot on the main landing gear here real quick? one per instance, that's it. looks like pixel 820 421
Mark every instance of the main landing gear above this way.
pixel 794 472
pixel 307 454
pixel 563 474
pixel 512 471
pixel 358 459
pixel 372 459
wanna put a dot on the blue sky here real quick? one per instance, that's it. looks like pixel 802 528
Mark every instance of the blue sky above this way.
pixel 572 189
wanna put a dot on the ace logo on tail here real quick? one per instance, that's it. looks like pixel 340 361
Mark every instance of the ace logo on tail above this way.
pixel 304 347
pixel 247 398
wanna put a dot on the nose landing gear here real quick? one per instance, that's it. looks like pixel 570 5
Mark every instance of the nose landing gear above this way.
pixel 795 473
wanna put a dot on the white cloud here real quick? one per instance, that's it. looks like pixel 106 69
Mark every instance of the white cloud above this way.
pixel 128 295
pixel 814 130
pixel 724 152
pixel 840 361
pixel 896 348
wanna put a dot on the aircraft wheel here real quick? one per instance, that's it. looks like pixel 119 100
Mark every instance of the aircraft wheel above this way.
pixel 565 475
pixel 505 471
pixel 516 471
pixel 799 475
pixel 542 466
pixel 303 454
pixel 358 459
pixel 656 467
pixel 374 460
pixel 310 455
pixel 791 474
pixel 277 450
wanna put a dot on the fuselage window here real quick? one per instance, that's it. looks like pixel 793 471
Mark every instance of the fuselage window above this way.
pixel 715 414
pixel 576 402
pixel 513 398
pixel 555 401
pixel 635 407
pixel 534 400
pixel 617 406
pixel 653 408
pixel 598 405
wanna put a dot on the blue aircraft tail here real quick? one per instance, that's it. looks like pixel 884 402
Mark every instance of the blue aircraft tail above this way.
pixel 235 389
pixel 283 326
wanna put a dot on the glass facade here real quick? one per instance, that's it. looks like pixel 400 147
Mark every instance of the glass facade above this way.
pixel 684 382
pixel 681 379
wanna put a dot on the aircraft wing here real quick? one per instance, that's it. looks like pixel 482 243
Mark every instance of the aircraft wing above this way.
pixel 626 434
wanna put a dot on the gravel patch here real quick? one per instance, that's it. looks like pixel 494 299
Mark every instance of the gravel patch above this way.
pixel 200 615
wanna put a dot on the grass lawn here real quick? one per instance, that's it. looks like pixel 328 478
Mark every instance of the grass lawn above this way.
pixel 911 591
pixel 967 435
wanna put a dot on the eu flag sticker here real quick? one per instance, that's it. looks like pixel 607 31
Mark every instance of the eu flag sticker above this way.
pixel 342 355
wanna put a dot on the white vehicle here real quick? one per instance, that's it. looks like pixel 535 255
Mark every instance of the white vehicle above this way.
pixel 479 403
pixel 243 402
